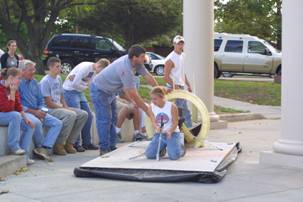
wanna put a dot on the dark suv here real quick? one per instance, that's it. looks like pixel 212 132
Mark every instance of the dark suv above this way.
pixel 75 48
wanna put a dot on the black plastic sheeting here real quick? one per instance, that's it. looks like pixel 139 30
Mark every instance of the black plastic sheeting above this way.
pixel 148 175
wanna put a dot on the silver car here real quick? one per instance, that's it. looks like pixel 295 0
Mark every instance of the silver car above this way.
pixel 239 53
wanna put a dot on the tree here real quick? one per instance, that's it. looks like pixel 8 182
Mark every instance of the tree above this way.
pixel 256 17
pixel 134 20
pixel 32 22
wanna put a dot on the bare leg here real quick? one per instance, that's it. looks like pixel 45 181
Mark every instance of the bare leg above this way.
pixel 122 116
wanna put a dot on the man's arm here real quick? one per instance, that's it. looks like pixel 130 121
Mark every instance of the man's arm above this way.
pixel 62 100
pixel 175 120
pixel 50 104
pixel 188 84
pixel 150 79
pixel 168 66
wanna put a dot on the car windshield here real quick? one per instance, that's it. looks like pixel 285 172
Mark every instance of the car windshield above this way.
pixel 270 47
pixel 155 55
pixel 118 46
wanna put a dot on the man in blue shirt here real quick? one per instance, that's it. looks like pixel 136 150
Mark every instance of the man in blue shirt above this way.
pixel 33 104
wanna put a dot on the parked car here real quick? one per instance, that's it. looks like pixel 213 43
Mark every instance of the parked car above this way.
pixel 157 63
pixel 73 49
pixel 239 53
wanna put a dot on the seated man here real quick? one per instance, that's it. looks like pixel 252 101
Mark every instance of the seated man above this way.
pixel 130 111
pixel 73 119
pixel 33 104
pixel 166 114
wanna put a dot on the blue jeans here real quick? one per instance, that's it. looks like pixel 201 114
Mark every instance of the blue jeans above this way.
pixel 106 117
pixel 77 99
pixel 15 124
pixel 182 105
pixel 174 146
pixel 54 126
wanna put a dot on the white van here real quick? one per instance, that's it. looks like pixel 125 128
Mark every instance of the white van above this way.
pixel 241 53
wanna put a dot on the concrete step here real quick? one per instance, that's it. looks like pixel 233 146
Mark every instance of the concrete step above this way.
pixel 9 164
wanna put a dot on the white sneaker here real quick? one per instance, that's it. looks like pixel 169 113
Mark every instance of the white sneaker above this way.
pixel 19 152
pixel 30 161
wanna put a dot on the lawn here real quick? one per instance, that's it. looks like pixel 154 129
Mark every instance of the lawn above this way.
pixel 255 92
pixel 262 93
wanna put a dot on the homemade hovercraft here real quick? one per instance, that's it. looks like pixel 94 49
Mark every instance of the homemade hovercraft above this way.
pixel 204 162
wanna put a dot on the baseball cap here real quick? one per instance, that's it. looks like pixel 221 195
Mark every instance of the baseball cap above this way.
pixel 178 38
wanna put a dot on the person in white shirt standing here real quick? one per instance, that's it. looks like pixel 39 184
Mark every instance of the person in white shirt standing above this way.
pixel 175 77
pixel 75 84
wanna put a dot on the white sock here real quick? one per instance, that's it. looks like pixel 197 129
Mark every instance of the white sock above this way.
pixel 136 132
pixel 118 130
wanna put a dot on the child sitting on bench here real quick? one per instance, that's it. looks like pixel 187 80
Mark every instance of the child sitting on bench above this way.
pixel 166 114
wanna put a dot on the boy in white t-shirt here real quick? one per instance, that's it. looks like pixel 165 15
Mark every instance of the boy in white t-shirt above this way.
pixel 75 84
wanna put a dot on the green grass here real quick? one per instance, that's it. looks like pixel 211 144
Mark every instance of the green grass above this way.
pixel 262 93
pixel 225 110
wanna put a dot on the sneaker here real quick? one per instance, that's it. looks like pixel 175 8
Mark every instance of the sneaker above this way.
pixel 59 150
pixel 70 148
pixel 42 153
pixel 183 149
pixel 162 152
pixel 139 137
pixel 119 138
pixel 113 148
pixel 91 147
pixel 19 152
pixel 79 148
pixel 103 152
pixel 30 161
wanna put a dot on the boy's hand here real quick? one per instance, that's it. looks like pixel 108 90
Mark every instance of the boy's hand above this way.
pixel 169 134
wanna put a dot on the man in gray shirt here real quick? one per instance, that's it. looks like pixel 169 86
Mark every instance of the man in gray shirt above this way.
pixel 118 76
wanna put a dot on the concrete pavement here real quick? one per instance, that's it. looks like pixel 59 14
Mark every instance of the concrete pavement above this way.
pixel 246 179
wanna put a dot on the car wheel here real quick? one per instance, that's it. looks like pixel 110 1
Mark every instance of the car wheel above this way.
pixel 159 70
pixel 217 73
pixel 66 67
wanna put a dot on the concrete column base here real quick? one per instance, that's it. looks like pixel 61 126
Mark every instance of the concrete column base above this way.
pixel 215 122
pixel 278 159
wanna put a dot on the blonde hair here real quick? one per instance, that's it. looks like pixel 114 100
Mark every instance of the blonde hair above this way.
pixel 103 62
pixel 159 91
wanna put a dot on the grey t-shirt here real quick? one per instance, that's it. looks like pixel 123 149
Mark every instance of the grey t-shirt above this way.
pixel 11 62
pixel 52 87
pixel 118 75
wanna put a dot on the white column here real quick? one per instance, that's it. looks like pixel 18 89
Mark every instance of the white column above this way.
pixel 198 29
pixel 288 150
pixel 291 141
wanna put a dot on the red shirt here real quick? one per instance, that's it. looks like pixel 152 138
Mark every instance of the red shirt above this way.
pixel 7 105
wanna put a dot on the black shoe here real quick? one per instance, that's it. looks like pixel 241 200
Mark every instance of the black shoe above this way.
pixel 119 138
pixel 79 148
pixel 103 152
pixel 183 149
pixel 113 148
pixel 90 147
pixel 162 152
pixel 139 137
